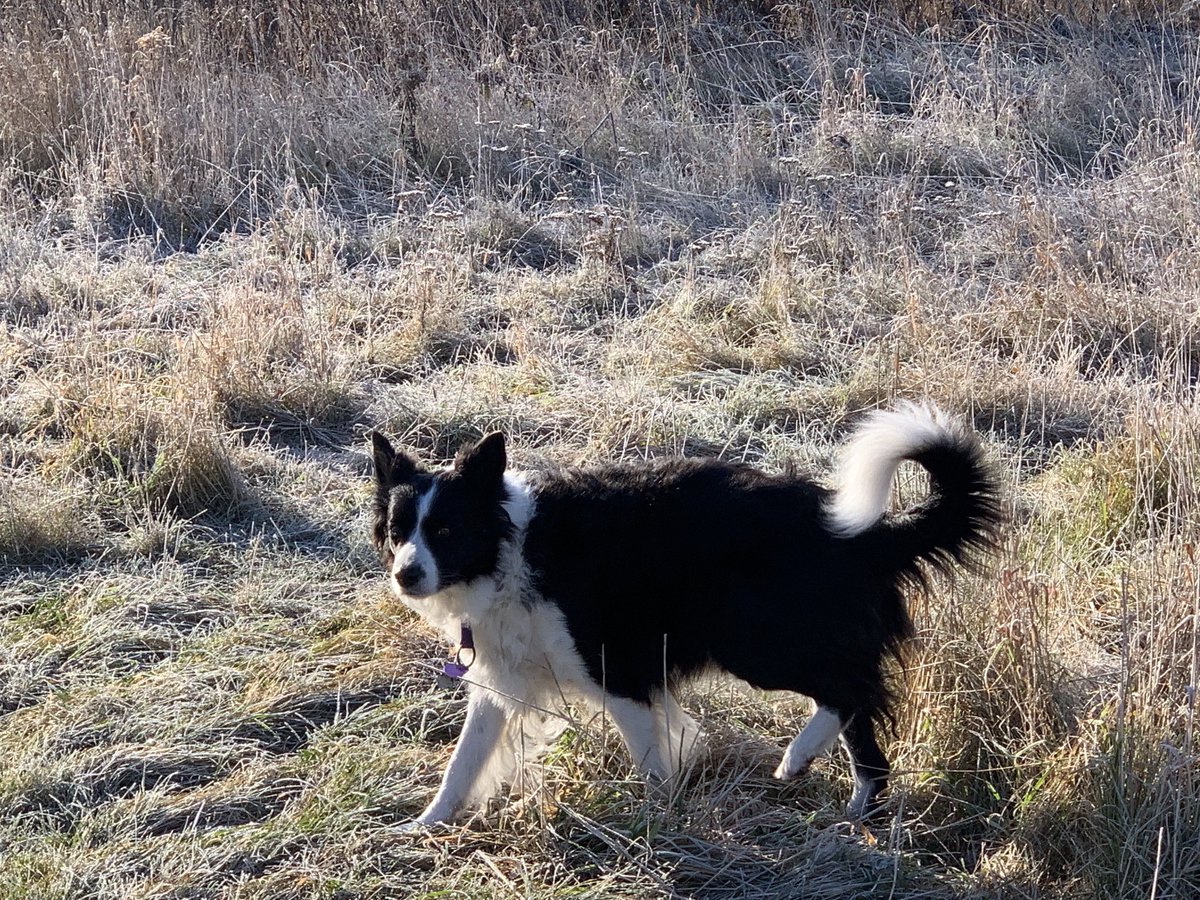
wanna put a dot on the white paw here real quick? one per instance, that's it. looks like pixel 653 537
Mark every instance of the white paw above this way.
pixel 790 768
pixel 421 825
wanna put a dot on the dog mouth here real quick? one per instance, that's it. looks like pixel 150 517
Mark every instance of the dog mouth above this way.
pixel 414 592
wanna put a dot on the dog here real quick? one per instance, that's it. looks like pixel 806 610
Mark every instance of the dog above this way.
pixel 611 585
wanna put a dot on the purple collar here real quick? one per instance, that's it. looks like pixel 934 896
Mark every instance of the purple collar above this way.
pixel 457 668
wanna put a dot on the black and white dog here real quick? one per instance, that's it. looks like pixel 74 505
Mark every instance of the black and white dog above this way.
pixel 610 585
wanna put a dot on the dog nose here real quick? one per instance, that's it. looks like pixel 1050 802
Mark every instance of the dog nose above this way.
pixel 410 576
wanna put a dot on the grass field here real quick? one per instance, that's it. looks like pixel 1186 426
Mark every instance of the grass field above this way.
pixel 237 235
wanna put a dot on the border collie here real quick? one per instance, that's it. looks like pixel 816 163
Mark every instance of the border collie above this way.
pixel 610 585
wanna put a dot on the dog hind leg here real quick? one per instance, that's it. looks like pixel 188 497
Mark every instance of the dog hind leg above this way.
pixel 637 724
pixel 678 733
pixel 871 767
pixel 815 739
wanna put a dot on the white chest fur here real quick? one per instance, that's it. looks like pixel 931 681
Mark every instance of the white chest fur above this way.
pixel 524 653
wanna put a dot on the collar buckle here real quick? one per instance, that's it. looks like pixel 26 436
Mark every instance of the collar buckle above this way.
pixel 458 667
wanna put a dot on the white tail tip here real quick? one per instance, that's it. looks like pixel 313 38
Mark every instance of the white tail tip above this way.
pixel 869 460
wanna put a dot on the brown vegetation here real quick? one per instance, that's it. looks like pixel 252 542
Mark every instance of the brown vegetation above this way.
pixel 235 235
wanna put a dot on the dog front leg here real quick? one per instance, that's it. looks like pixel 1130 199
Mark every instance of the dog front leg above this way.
pixel 485 722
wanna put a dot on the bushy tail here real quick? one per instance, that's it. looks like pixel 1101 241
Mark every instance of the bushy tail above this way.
pixel 957 523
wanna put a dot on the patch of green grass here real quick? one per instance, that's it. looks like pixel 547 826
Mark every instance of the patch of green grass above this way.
pixel 1105 498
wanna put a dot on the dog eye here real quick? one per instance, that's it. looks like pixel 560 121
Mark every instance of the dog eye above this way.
pixel 444 531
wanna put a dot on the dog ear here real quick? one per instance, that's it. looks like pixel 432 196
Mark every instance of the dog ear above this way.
pixel 484 461
pixel 391 467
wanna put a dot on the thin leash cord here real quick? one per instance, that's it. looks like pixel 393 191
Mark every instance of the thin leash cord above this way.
pixel 525 704
pixel 578 724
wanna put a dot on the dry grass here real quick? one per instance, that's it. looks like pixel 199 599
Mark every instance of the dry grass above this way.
pixel 236 235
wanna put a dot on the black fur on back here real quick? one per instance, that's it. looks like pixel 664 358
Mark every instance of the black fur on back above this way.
pixel 663 570
pixel 667 569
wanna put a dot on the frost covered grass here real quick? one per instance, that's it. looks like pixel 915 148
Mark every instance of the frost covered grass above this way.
pixel 234 239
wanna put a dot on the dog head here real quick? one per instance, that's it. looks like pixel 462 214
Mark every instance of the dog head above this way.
pixel 438 529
